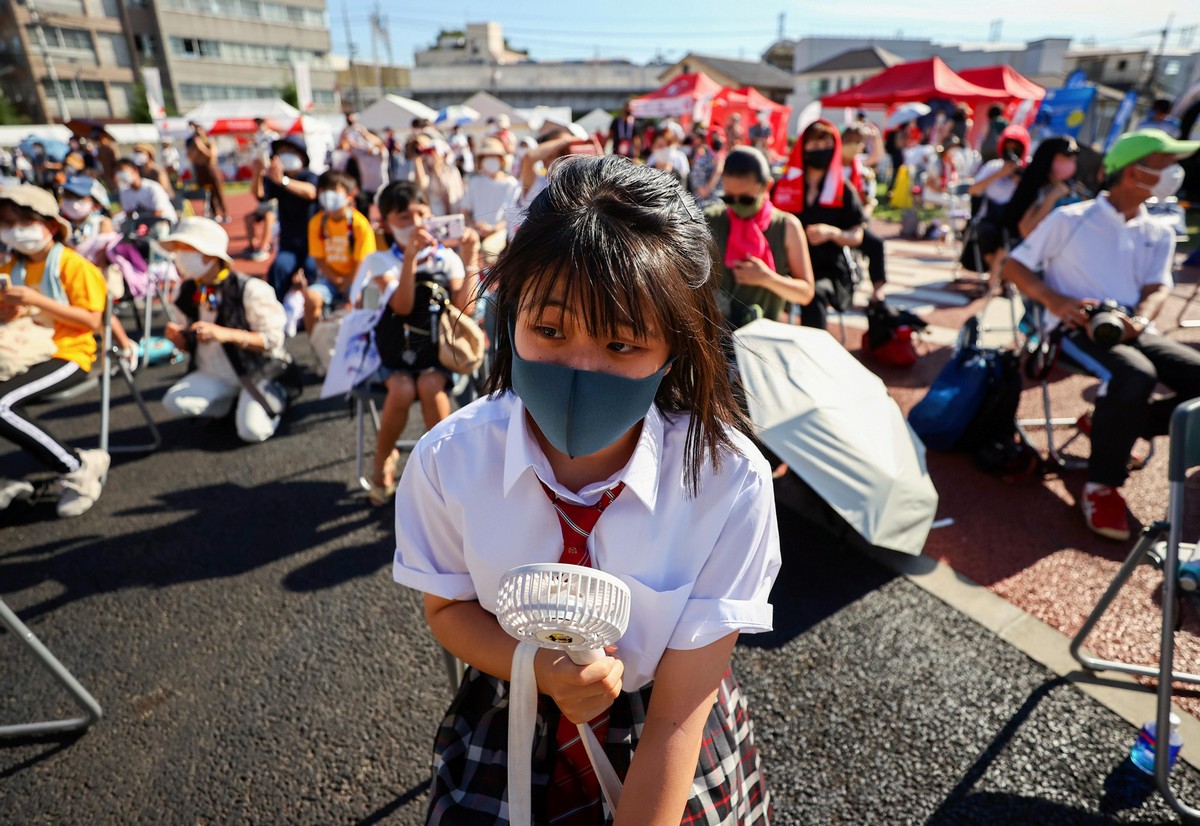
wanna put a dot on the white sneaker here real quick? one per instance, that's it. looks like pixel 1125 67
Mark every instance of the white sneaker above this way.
pixel 82 488
pixel 12 490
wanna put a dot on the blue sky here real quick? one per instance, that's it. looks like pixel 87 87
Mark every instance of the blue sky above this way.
pixel 639 30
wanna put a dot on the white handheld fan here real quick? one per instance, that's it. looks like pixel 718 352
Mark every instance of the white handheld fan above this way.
pixel 568 608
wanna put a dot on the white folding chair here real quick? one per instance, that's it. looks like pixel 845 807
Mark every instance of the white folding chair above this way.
pixel 1184 455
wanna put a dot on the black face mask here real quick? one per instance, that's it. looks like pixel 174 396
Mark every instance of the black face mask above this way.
pixel 818 158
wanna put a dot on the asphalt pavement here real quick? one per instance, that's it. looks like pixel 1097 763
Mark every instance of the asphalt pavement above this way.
pixel 232 610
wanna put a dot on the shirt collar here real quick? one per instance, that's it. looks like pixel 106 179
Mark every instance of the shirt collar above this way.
pixel 1111 213
pixel 522 455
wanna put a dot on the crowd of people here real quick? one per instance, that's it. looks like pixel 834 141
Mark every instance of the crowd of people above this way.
pixel 608 272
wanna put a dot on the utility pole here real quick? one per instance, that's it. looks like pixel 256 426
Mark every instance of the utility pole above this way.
pixel 353 52
pixel 782 26
pixel 44 47
pixel 1148 89
pixel 994 31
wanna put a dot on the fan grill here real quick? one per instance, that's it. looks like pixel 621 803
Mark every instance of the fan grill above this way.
pixel 567 607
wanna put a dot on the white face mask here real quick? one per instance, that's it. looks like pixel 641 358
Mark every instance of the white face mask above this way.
pixel 490 165
pixel 140 158
pixel 331 200
pixel 27 240
pixel 192 264
pixel 1168 183
pixel 291 162
pixel 124 179
pixel 402 234
pixel 76 210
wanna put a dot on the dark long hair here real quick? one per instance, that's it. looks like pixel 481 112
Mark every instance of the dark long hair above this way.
pixel 629 247
pixel 1035 176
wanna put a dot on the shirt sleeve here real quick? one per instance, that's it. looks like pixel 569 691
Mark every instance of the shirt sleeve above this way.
pixel 1162 260
pixel 162 201
pixel 732 590
pixel 853 206
pixel 82 282
pixel 429 544
pixel 264 313
pixel 316 242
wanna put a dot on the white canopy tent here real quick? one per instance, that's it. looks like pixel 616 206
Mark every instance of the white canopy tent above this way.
pixel 541 118
pixel 597 120
pixel 395 112
pixel 490 106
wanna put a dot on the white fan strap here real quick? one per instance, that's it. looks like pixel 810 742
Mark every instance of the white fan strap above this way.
pixel 610 784
pixel 522 717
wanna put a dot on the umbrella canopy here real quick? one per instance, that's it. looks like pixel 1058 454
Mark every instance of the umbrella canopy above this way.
pixel 456 115
pixel 905 113
pixel 84 128
pixel 832 421
pixel 56 150
pixel 680 97
pixel 920 80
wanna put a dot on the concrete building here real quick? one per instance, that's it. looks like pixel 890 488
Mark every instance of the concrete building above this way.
pixel 205 50
pixel 771 81
pixel 480 59
pixel 363 83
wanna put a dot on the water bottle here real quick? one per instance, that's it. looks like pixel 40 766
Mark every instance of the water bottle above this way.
pixel 1189 576
pixel 1142 753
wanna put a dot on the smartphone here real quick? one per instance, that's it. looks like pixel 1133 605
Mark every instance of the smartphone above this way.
pixel 447 227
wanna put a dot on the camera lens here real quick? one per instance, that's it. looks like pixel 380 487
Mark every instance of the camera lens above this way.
pixel 1106 328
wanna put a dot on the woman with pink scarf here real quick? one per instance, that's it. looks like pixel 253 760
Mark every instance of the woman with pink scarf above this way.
pixel 763 263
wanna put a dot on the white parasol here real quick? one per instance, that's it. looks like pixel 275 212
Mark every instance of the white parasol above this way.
pixel 833 422
pixel 905 113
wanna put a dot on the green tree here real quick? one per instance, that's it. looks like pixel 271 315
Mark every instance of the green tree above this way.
pixel 288 93
pixel 139 106
pixel 9 115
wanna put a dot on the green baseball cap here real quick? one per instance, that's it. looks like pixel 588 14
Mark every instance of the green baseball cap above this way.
pixel 1133 146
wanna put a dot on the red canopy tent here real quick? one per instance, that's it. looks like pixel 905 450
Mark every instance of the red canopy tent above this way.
pixel 685 97
pixel 247 126
pixel 1024 96
pixel 748 102
pixel 920 80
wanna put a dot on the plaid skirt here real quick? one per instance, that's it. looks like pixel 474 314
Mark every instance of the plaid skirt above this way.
pixel 470 757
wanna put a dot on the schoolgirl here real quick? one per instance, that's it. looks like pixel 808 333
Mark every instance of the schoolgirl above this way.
pixel 421 271
pixel 610 437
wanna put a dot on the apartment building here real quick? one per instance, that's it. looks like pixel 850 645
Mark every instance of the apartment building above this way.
pixel 63 59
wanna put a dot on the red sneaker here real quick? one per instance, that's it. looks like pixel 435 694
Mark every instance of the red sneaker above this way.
pixel 1104 512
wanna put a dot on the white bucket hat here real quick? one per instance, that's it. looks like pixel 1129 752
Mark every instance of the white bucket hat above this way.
pixel 204 235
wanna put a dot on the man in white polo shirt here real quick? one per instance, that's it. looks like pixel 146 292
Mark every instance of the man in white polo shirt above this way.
pixel 1112 249
pixel 142 198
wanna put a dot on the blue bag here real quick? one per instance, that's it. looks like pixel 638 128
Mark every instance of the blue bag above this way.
pixel 954 398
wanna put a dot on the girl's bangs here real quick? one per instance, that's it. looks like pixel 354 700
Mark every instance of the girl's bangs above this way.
pixel 607 277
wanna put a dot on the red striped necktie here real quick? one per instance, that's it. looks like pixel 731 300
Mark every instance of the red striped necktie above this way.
pixel 573 796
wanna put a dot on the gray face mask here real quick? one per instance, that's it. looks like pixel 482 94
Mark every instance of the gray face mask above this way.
pixel 581 412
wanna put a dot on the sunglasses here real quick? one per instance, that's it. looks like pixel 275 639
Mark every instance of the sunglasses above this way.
pixel 741 200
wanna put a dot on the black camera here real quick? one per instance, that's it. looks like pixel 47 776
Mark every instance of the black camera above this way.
pixel 1106 323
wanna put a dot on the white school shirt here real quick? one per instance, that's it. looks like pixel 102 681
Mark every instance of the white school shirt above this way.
pixel 470 506
pixel 148 199
pixel 1089 250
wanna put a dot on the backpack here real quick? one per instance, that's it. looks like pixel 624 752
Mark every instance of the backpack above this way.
pixel 889 334
pixel 946 411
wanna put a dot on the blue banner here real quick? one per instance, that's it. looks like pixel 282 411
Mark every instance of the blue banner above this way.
pixel 1076 79
pixel 1120 119
pixel 1063 110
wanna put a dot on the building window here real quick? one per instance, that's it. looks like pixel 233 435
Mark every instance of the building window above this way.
pixel 147 46
pixel 195 47
pixel 1171 68
pixel 75 89
pixel 1122 65
pixel 60 39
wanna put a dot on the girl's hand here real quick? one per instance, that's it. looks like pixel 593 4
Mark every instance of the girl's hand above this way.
pixel 208 331
pixel 15 296
pixel 581 691
pixel 419 240
pixel 753 272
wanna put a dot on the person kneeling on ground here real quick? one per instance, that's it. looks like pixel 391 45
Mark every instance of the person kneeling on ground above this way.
pixel 1112 249
pixel 235 336
pixel 66 290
